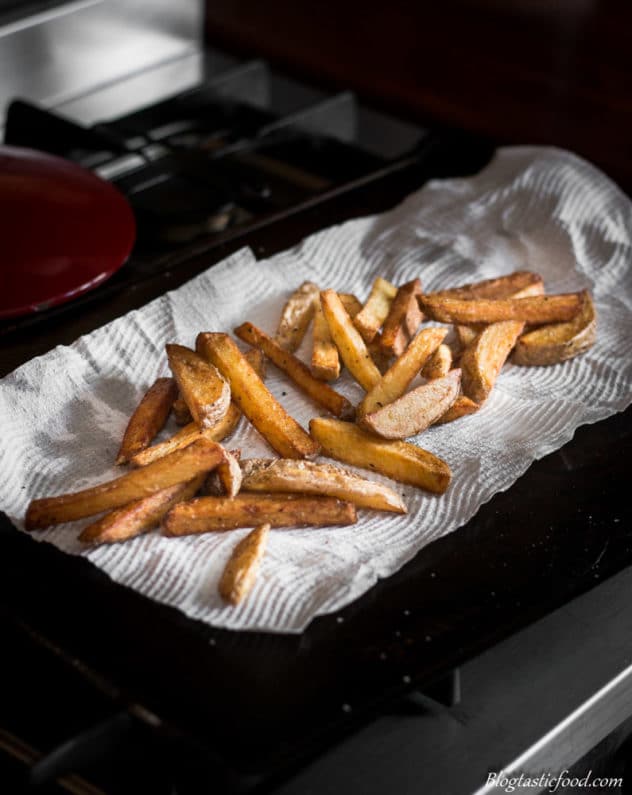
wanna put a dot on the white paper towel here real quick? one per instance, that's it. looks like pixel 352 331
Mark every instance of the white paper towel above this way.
pixel 62 415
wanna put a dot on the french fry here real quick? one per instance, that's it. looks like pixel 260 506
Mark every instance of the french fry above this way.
pixel 307 477
pixel 536 309
pixel 438 364
pixel 482 361
pixel 350 303
pixel 139 516
pixel 249 392
pixel 370 318
pixel 204 390
pixel 217 514
pixel 414 411
pixel 180 466
pixel 350 344
pixel 321 393
pixel 461 407
pixel 181 412
pixel 395 381
pixel 222 430
pixel 296 316
pixel 148 419
pixel 215 486
pixel 230 475
pixel 501 287
pixel 467 334
pixel 559 341
pixel 325 363
pixel 401 461
pixel 378 354
pixel 403 319
pixel 241 570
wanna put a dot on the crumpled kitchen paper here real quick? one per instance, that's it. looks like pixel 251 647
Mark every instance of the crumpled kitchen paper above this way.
pixel 62 415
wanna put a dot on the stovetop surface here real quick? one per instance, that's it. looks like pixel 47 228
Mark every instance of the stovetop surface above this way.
pixel 264 702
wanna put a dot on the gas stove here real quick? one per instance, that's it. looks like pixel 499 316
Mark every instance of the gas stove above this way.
pixel 412 687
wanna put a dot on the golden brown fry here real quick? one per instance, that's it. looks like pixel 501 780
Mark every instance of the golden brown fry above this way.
pixel 461 407
pixel 325 363
pixel 181 412
pixel 241 570
pixel 376 309
pixel 182 465
pixel 229 474
pixel 148 419
pixel 501 287
pixel 254 399
pixel 467 334
pixel 401 461
pixel 403 319
pixel 350 303
pixel 395 381
pixel 415 411
pixel 321 393
pixel 438 364
pixel 307 477
pixel 559 341
pixel 296 316
pixel 350 344
pixel 222 430
pixel 482 361
pixel 204 390
pixel 212 514
pixel 533 309
pixel 139 516
pixel 214 485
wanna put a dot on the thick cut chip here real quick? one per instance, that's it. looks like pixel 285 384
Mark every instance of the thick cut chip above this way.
pixel 296 316
pixel 204 390
pixel 501 287
pixel 180 466
pixel 181 412
pixel 395 381
pixel 217 514
pixel 325 363
pixel 240 572
pixel 414 411
pixel 559 341
pixel 533 309
pixel 438 364
pixel 230 475
pixel 139 516
pixel 350 344
pixel 482 361
pixel 370 318
pixel 401 461
pixel 254 399
pixel 307 477
pixel 319 392
pixel 461 407
pixel 403 319
pixel 148 419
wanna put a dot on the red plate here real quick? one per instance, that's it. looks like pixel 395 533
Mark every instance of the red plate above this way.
pixel 63 231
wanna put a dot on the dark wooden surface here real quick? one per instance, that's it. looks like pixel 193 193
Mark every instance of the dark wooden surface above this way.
pixel 523 71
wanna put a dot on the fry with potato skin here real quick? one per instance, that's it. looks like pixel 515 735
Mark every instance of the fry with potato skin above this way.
pixel 321 393
pixel 178 467
pixel 403 319
pixel 325 362
pixel 438 363
pixel 499 287
pixel 373 314
pixel 230 475
pixel 400 461
pixel 536 309
pixel 395 381
pixel 350 344
pixel 296 316
pixel 204 390
pixel 241 569
pixel 218 514
pixel 148 419
pixel 558 342
pixel 140 516
pixel 482 361
pixel 306 477
pixel 414 411
pixel 254 399
pixel 461 407
pixel 181 412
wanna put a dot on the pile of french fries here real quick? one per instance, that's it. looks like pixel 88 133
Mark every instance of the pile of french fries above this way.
pixel 192 483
